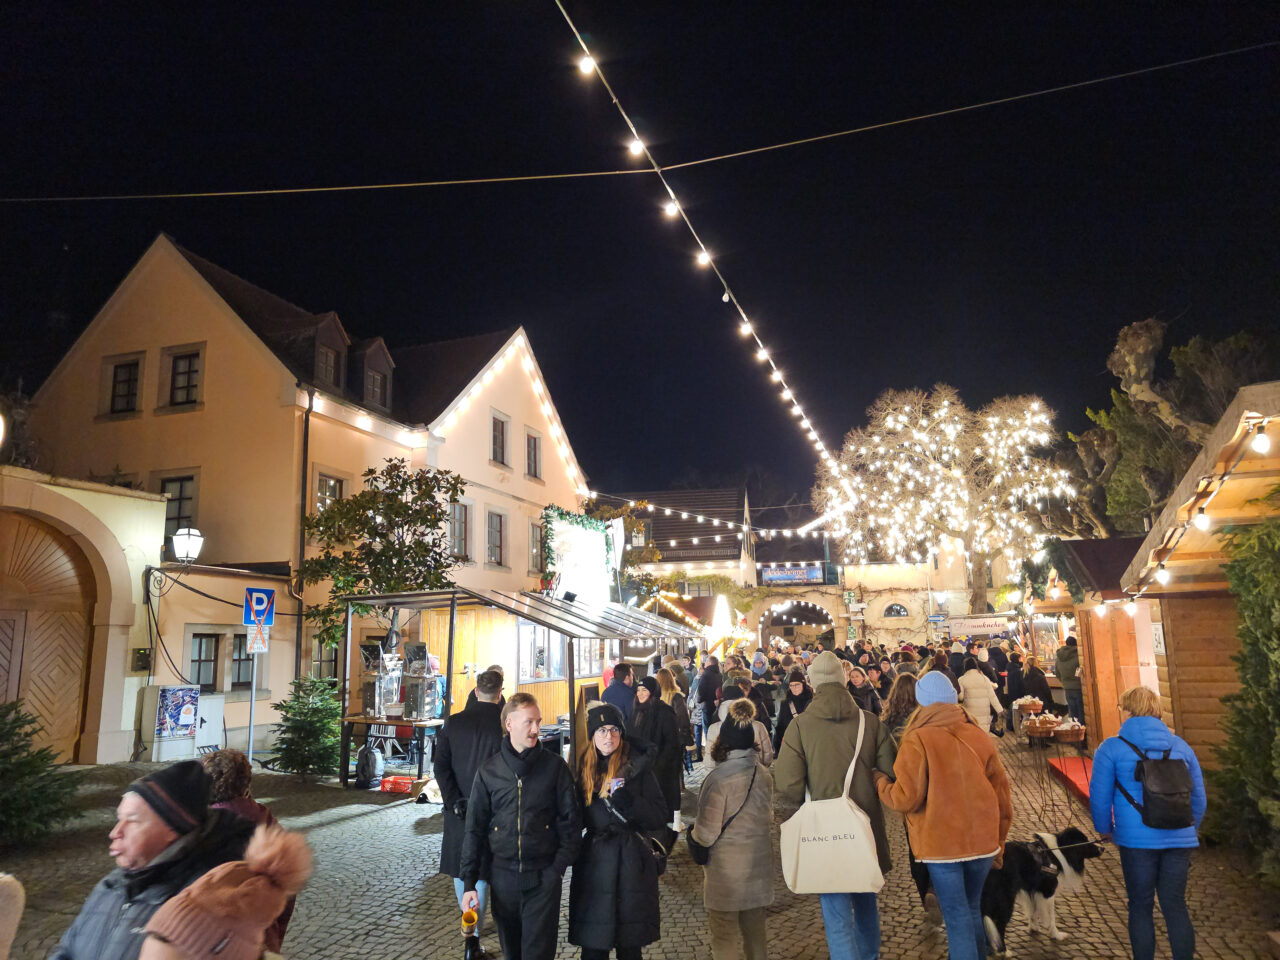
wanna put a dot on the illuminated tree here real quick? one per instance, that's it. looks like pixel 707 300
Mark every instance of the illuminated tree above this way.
pixel 926 467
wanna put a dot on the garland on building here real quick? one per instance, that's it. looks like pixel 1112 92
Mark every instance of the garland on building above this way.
pixel 554 513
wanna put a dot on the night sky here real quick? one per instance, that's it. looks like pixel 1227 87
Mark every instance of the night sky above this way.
pixel 999 250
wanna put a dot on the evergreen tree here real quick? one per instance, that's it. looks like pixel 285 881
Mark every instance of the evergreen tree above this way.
pixel 1246 807
pixel 307 737
pixel 34 795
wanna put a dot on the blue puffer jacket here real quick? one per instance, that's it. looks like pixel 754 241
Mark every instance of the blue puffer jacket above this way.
pixel 1115 761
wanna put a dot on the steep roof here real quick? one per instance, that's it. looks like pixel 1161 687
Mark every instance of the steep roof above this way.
pixel 287 329
pixel 726 504
pixel 430 375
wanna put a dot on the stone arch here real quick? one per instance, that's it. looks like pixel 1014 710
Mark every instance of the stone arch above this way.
pixel 111 610
pixel 829 599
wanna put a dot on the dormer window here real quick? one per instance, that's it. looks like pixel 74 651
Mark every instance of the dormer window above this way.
pixel 375 388
pixel 327 366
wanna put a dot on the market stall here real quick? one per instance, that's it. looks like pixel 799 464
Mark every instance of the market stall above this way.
pixel 552 647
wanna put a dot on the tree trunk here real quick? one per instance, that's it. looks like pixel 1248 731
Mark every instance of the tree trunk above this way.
pixel 978 583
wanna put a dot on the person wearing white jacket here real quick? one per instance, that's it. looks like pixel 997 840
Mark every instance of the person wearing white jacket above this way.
pixel 978 695
pixel 764 745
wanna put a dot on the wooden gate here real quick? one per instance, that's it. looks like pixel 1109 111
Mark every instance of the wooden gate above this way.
pixel 46 589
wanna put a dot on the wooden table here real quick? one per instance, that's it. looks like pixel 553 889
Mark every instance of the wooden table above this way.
pixel 420 729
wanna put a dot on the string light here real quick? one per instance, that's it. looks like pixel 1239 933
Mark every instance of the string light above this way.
pixel 1261 443
pixel 637 147
pixel 1201 520
pixel 671 208
pixel 1162 575
pixel 586 65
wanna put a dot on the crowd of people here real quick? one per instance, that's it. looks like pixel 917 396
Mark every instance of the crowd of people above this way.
pixel 203 869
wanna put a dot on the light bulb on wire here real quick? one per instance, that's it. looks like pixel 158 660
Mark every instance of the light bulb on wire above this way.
pixel 745 328
pixel 704 258
pixel 636 147
pixel 1162 575
pixel 1260 443
pixel 586 65
pixel 671 208
pixel 1201 520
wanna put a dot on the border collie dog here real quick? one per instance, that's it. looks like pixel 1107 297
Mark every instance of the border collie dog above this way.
pixel 1033 874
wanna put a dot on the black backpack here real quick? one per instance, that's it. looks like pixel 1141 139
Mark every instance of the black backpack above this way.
pixel 1166 791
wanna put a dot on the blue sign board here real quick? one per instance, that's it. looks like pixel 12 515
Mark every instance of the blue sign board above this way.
pixel 259 607
pixel 937 618
pixel 791 574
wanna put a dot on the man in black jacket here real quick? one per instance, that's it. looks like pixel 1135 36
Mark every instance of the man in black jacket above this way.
pixel 523 820
pixel 466 741
pixel 165 838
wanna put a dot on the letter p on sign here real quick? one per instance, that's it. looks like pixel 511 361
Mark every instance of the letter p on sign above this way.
pixel 259 607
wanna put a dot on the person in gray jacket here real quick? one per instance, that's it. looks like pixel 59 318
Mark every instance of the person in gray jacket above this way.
pixel 735 820
pixel 165 838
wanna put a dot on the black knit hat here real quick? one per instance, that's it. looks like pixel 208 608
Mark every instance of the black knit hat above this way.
pixel 736 736
pixel 604 715
pixel 731 691
pixel 178 794
pixel 651 684
pixel 796 676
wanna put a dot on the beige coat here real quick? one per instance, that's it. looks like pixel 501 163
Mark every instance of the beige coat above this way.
pixel 740 873
pixel 817 748
pixel 978 697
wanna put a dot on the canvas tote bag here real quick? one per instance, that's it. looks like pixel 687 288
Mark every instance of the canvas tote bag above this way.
pixel 828 845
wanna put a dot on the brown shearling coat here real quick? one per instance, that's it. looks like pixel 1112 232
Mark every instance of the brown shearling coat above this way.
pixel 951 786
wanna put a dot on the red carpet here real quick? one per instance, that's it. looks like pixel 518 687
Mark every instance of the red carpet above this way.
pixel 1074 772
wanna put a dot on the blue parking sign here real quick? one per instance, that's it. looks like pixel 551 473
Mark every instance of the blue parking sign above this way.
pixel 259 607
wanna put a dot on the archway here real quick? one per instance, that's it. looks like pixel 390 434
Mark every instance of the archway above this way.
pixel 61 522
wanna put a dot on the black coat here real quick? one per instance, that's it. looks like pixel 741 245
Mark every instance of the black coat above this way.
pixel 955 662
pixel 1014 683
pixel 654 723
pixel 522 815
pixel 1035 685
pixel 613 896
pixel 790 708
pixel 865 697
pixel 466 740
pixel 709 691
pixel 110 924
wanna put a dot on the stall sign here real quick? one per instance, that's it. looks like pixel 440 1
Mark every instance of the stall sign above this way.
pixel 1157 639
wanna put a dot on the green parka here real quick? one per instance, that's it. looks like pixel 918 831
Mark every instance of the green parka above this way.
pixel 817 748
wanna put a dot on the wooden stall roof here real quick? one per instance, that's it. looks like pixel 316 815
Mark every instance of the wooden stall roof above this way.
pixel 572 618
pixel 1225 481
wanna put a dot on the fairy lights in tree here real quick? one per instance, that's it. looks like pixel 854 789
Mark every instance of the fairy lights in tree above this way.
pixel 925 468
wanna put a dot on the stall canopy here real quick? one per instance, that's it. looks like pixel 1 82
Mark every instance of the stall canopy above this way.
pixel 571 618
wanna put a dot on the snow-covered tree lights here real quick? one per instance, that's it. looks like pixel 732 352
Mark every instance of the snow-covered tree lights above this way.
pixel 925 467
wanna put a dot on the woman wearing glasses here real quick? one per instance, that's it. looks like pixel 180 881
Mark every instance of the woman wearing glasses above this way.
pixel 613 897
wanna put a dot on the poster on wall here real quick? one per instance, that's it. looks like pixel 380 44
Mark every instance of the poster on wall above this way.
pixel 176 711
pixel 791 575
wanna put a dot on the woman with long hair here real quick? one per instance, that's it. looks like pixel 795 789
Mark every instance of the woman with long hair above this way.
pixel 735 820
pixel 654 721
pixel 900 705
pixel 613 896
pixel 952 787
pixel 670 694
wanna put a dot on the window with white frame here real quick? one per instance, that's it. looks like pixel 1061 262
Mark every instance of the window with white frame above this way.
pixel 537 558
pixel 375 387
pixel 328 490
pixel 204 661
pixel 494 530
pixel 459 521
pixel 241 662
pixel 184 378
pixel 498 446
pixel 533 456
pixel 540 651
pixel 124 386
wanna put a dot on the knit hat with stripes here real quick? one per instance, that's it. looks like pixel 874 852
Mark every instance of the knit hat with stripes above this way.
pixel 178 794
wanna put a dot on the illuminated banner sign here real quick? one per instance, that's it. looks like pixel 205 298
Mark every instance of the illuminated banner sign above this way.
pixel 791 574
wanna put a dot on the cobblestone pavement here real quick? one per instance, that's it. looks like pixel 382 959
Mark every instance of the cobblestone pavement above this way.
pixel 375 892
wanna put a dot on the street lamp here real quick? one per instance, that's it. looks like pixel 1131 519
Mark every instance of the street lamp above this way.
pixel 186 545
